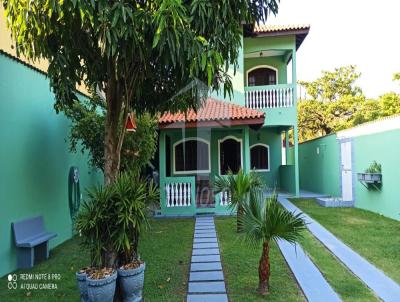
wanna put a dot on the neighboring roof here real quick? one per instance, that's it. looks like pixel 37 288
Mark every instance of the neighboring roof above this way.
pixel 213 113
pixel 380 125
pixel 264 30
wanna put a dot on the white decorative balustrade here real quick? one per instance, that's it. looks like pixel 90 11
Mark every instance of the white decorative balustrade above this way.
pixel 225 199
pixel 271 96
pixel 178 194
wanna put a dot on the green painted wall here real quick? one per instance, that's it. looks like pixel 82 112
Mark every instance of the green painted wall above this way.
pixel 319 172
pixel 384 148
pixel 272 138
pixel 34 158
pixel 287 178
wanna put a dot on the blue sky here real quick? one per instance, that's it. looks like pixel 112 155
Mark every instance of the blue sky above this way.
pixel 361 32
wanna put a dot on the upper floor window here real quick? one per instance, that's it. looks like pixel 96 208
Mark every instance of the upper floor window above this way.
pixel 262 76
pixel 259 157
pixel 192 155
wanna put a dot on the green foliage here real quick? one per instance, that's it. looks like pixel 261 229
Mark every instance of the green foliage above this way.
pixel 265 220
pixel 87 133
pixel 144 52
pixel 113 218
pixel 374 168
pixel 335 104
pixel 238 186
pixel 333 85
pixel 396 76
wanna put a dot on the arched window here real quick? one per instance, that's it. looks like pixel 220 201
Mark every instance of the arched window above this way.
pixel 262 75
pixel 230 155
pixel 191 155
pixel 259 157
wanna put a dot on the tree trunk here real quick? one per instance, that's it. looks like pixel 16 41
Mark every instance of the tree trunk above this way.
pixel 111 153
pixel 239 215
pixel 264 270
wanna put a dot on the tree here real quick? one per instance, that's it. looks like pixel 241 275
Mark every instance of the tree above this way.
pixel 333 85
pixel 238 187
pixel 332 101
pixel 265 220
pixel 138 53
pixel 144 56
pixel 396 76
pixel 87 134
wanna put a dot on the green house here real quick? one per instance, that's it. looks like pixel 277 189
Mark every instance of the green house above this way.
pixel 254 130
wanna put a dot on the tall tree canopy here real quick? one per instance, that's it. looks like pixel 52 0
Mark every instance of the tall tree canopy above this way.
pixel 140 54
pixel 334 103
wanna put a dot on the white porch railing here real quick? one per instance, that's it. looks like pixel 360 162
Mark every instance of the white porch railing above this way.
pixel 178 193
pixel 224 198
pixel 270 96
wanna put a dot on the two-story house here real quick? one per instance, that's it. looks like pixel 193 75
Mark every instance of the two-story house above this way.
pixel 249 131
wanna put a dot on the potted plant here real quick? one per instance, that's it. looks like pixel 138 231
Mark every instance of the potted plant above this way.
pixel 134 196
pixel 96 283
pixel 372 177
pixel 113 219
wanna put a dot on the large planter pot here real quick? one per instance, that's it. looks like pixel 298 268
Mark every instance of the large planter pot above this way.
pixel 81 279
pixel 101 290
pixel 131 283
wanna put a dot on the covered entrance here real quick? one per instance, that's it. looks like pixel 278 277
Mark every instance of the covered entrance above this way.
pixel 196 148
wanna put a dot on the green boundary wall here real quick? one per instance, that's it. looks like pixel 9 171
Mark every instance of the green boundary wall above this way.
pixel 35 159
pixel 384 148
pixel 319 165
pixel 319 162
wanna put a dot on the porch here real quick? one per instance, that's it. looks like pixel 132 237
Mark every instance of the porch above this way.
pixel 193 153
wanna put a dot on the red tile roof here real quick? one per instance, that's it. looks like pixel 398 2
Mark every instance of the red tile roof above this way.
pixel 263 28
pixel 213 110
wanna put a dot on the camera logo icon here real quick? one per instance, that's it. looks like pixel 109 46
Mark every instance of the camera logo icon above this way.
pixel 12 281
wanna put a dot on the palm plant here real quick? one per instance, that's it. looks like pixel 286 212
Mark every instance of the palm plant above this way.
pixel 238 188
pixel 265 220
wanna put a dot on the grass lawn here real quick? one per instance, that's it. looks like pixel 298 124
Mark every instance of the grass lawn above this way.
pixel 166 248
pixel 346 285
pixel 240 265
pixel 373 236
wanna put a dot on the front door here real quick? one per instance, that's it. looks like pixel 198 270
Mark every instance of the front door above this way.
pixel 204 192
pixel 346 169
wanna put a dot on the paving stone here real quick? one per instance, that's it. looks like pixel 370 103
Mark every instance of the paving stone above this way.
pixel 207 287
pixel 205 245
pixel 205 235
pixel 197 252
pixel 206 266
pixel 204 231
pixel 206 258
pixel 207 298
pixel 204 224
pixel 206 276
pixel 204 240
pixel 204 221
pixel 206 227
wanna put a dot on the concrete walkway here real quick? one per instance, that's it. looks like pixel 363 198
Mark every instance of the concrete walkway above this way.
pixel 384 287
pixel 206 279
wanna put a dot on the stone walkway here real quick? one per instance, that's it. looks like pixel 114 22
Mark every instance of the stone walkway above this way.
pixel 206 279
pixel 384 287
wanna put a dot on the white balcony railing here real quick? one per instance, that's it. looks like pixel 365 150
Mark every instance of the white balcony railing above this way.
pixel 225 198
pixel 179 192
pixel 270 96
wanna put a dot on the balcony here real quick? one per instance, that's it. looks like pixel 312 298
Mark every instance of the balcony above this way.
pixel 270 96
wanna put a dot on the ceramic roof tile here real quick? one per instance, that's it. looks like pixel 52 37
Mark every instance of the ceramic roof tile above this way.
pixel 213 110
pixel 263 28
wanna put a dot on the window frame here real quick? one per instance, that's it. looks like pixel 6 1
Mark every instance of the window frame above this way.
pixel 262 66
pixel 191 171
pixel 240 141
pixel 268 158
